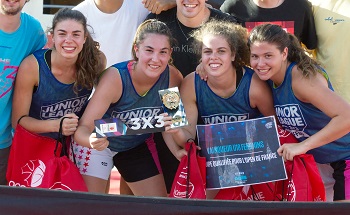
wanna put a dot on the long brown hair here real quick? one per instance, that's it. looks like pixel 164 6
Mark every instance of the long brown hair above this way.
pixel 274 34
pixel 88 59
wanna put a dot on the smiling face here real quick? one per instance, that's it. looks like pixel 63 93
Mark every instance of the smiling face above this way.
pixel 268 61
pixel 69 38
pixel 190 8
pixel 153 54
pixel 217 56
pixel 11 7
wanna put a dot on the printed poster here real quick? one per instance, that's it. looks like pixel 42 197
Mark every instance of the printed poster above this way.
pixel 241 153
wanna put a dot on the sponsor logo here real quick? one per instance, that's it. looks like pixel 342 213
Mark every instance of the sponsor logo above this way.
pixel 181 186
pixel 333 20
pixel 34 171
pixel 59 109
pixel 291 191
pixel 291 118
pixel 224 117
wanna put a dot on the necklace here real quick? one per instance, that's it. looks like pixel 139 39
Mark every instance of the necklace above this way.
pixel 183 33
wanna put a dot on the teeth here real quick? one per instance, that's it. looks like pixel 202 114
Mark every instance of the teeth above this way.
pixel 68 49
pixel 216 65
pixel 153 66
pixel 190 5
pixel 263 70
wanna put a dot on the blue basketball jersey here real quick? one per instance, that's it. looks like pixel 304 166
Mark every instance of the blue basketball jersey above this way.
pixel 304 120
pixel 132 107
pixel 52 98
pixel 214 109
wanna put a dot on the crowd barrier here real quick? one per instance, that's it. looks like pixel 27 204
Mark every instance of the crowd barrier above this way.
pixel 17 200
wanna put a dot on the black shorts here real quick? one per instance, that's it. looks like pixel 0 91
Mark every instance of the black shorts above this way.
pixel 342 180
pixel 168 161
pixel 136 164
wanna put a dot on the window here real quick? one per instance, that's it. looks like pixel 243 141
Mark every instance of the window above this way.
pixel 52 6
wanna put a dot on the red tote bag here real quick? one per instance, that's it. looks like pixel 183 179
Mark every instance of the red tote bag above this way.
pixel 28 157
pixel 62 174
pixel 190 178
pixel 256 192
pixel 40 162
pixel 304 182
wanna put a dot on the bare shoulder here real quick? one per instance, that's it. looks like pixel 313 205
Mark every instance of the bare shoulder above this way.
pixel 258 88
pixel 190 77
pixel 175 76
pixel 257 83
pixel 29 69
pixel 110 75
pixel 110 85
pixel 187 84
pixel 29 63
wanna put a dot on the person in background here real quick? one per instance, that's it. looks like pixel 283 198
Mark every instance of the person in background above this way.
pixel 158 6
pixel 124 90
pixel 20 35
pixel 305 104
pixel 332 22
pixel 113 25
pixel 295 16
pixel 182 20
pixel 50 81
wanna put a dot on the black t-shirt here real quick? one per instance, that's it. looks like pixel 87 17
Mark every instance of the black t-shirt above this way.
pixel 294 15
pixel 184 57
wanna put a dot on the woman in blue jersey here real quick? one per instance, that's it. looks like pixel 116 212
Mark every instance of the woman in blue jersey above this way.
pixel 55 83
pixel 305 105
pixel 232 90
pixel 129 91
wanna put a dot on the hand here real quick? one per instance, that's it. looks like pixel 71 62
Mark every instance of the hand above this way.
pixel 99 144
pixel 168 120
pixel 180 153
pixel 157 6
pixel 201 72
pixel 69 124
pixel 288 151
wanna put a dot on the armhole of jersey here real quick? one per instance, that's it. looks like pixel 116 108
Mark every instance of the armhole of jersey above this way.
pixel 239 74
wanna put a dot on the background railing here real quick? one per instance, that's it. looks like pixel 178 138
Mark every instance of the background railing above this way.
pixel 52 6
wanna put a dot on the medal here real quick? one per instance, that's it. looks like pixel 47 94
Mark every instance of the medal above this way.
pixel 171 100
pixel 177 119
